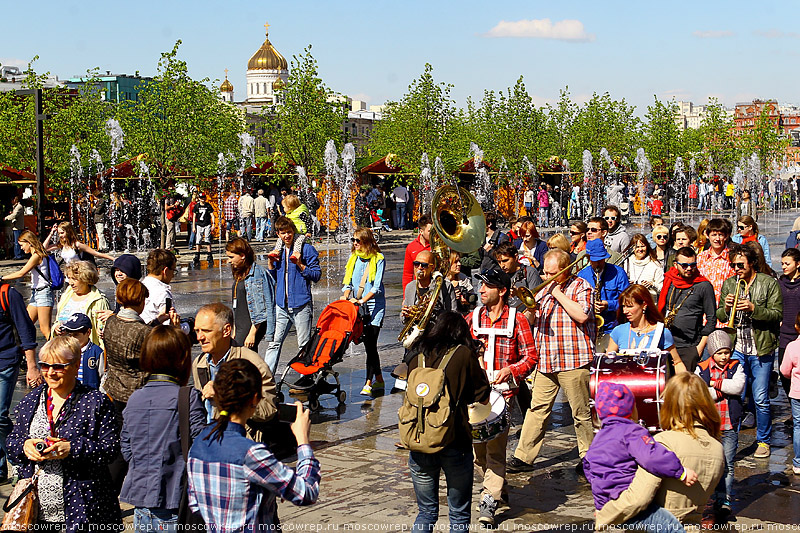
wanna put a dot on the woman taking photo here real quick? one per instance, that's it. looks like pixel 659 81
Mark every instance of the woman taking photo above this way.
pixel 641 326
pixel 462 285
pixel 363 285
pixel 151 440
pixel 253 296
pixel 40 306
pixel 642 267
pixel 68 246
pixel 77 426
pixel 532 249
pixel 748 231
pixel 234 481
pixel 81 297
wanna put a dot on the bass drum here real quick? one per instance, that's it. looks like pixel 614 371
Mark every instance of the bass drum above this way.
pixel 644 373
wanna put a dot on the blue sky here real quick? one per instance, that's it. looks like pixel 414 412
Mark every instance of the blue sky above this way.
pixel 372 50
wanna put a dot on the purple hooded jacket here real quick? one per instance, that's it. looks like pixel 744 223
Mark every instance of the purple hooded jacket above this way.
pixel 618 449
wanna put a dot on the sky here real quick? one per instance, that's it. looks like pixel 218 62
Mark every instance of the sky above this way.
pixel 372 50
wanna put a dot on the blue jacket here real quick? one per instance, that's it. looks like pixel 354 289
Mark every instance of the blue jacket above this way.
pixel 376 306
pixel 613 282
pixel 151 444
pixel 735 406
pixel 91 359
pixel 762 241
pixel 90 426
pixel 299 282
pixel 260 289
pixel 10 352
pixel 618 449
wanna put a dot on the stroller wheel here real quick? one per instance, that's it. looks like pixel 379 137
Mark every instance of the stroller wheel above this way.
pixel 313 403
pixel 342 396
pixel 280 397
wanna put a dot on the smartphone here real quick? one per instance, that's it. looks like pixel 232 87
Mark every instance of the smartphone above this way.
pixel 287 412
pixel 168 305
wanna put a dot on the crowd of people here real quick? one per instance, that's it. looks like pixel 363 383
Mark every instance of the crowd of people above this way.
pixel 113 374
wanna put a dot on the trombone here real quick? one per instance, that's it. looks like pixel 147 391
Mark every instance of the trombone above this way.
pixel 528 296
pixel 739 283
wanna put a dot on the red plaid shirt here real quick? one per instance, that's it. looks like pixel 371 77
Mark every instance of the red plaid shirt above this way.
pixel 517 351
pixel 566 344
pixel 231 207
pixel 717 374
pixel 716 268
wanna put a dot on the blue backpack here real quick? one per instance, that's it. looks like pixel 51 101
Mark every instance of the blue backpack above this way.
pixel 55 277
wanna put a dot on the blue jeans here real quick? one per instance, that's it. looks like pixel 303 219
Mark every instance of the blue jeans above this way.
pixel 758 370
pixel 8 379
pixel 146 520
pixel 247 227
pixel 730 443
pixel 656 519
pixel 17 247
pixel 400 215
pixel 425 469
pixel 261 228
pixel 302 317
pixel 796 432
pixel 192 236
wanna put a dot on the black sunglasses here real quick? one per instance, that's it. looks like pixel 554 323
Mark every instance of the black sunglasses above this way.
pixel 741 227
pixel 420 264
pixel 592 230
pixel 737 266
pixel 575 232
pixel 659 236
pixel 58 367
pixel 356 241
pixel 687 265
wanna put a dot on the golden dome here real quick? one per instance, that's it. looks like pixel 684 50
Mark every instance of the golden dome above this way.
pixel 278 84
pixel 226 87
pixel 267 58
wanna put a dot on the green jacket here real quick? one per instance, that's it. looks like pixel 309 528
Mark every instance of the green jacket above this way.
pixel 765 293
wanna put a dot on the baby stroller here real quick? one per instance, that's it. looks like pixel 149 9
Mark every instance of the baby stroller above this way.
pixel 338 325
pixel 376 225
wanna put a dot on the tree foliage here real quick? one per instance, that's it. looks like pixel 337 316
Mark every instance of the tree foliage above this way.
pixel 661 138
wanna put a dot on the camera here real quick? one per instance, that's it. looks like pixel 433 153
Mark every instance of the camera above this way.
pixel 187 326
pixel 287 412
pixel 43 445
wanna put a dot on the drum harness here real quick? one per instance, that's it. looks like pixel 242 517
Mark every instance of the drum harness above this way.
pixel 493 333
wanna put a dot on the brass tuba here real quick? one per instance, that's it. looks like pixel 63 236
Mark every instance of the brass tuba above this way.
pixel 458 224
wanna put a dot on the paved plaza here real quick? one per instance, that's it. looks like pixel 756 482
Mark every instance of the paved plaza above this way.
pixel 365 479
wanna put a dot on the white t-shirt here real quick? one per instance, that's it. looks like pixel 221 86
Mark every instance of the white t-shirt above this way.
pixel 529 196
pixel 154 304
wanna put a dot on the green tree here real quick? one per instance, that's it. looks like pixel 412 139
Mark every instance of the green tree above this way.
pixel 560 120
pixel 718 138
pixel 661 138
pixel 305 120
pixel 765 140
pixel 424 120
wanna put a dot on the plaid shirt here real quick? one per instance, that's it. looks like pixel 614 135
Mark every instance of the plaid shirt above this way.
pixel 517 351
pixel 717 374
pixel 231 207
pixel 233 483
pixel 716 268
pixel 566 344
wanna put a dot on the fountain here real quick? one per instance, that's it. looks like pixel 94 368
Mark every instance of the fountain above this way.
pixel 644 170
pixel 588 173
pixel 676 199
pixel 482 186
pixel 427 181
pixel 115 212
pixel 75 177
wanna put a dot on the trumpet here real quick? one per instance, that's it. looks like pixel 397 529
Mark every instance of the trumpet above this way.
pixel 732 323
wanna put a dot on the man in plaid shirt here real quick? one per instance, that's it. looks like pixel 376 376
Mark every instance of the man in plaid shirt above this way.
pixel 230 208
pixel 565 333
pixel 509 357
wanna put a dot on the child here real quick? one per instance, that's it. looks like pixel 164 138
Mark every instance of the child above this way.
pixel 655 206
pixel 790 368
pixel 622 445
pixel 299 215
pixel 90 371
pixel 726 379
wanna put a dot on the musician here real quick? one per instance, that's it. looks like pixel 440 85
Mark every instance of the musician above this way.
pixel 754 336
pixel 607 282
pixel 715 263
pixel 597 228
pixel 521 275
pixel 565 330
pixel 509 357
pixel 424 266
pixel 422 242
pixel 687 302
pixel 641 326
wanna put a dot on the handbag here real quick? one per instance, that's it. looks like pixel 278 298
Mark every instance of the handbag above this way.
pixel 185 515
pixel 363 311
pixel 22 506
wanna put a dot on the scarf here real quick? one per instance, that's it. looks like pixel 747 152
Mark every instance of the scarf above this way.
pixel 672 277
pixel 751 238
pixel 129 314
pixel 351 265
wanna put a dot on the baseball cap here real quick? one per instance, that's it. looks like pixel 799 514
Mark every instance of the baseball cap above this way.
pixel 495 277
pixel 77 322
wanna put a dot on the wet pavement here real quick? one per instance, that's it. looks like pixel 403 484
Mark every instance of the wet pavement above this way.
pixel 365 480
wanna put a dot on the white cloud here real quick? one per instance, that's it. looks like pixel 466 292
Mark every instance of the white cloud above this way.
pixel 713 34
pixel 563 30
pixel 776 34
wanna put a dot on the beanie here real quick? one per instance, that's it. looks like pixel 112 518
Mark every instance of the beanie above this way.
pixel 613 399
pixel 129 264
pixel 717 340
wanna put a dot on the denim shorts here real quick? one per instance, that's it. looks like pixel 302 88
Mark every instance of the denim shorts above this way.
pixel 42 297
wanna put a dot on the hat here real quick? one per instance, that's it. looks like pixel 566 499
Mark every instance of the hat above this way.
pixel 596 250
pixel 613 399
pixel 495 277
pixel 129 264
pixel 717 340
pixel 202 196
pixel 77 322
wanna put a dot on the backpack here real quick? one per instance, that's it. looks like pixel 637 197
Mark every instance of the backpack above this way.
pixel 55 277
pixel 425 418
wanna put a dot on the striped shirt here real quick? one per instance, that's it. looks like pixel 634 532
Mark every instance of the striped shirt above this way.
pixel 234 482
pixel 566 345
pixel 516 351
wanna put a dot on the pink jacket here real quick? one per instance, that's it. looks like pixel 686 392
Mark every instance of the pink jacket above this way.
pixel 790 367
pixel 544 198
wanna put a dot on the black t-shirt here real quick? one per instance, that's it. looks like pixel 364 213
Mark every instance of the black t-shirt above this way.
pixel 241 315
pixel 202 213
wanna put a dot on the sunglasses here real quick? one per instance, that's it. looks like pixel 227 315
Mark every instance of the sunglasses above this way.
pixel 737 266
pixel 58 367
pixel 420 264
pixel 592 230
pixel 356 241
pixel 659 236
pixel 575 232
pixel 687 265
pixel 610 218
pixel 742 227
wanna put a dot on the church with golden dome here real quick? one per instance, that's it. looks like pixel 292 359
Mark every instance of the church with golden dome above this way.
pixel 267 72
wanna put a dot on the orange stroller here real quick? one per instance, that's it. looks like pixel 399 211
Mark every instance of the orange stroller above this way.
pixel 338 325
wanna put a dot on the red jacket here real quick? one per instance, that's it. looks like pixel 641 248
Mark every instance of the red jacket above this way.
pixel 412 250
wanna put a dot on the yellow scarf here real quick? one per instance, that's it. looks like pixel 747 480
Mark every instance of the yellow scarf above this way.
pixel 351 265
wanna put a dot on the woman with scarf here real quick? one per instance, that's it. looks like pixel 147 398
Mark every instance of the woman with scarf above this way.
pixel 642 266
pixel 363 285
pixel 748 231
